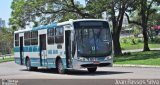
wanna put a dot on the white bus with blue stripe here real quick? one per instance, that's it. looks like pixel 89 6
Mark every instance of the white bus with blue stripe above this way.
pixel 74 44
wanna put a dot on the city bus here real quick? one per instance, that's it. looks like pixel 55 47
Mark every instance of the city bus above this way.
pixel 73 44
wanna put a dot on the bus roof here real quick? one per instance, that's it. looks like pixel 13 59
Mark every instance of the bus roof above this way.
pixel 56 24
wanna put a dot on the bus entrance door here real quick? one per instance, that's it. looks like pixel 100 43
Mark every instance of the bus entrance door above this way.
pixel 68 48
pixel 43 53
pixel 21 50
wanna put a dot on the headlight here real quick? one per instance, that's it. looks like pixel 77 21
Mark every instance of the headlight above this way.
pixel 82 59
pixel 108 58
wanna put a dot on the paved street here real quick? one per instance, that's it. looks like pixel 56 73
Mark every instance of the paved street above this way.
pixel 10 70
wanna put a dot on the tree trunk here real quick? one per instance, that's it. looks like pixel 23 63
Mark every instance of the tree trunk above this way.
pixel 144 24
pixel 116 44
pixel 145 36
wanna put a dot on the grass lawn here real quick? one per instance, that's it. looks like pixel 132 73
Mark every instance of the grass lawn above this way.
pixel 130 43
pixel 6 59
pixel 129 46
pixel 139 58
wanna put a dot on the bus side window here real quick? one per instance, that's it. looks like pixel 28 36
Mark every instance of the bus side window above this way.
pixel 59 35
pixel 50 35
pixel 16 39
pixel 27 36
pixel 34 38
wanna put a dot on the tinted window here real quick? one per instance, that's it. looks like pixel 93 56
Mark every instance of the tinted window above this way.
pixel 59 36
pixel 34 38
pixel 27 38
pixel 93 38
pixel 50 34
pixel 16 39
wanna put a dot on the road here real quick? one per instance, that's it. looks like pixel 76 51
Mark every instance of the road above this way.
pixel 10 70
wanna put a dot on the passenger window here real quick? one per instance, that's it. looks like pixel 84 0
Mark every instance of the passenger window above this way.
pixel 34 38
pixel 27 38
pixel 50 35
pixel 16 40
pixel 59 36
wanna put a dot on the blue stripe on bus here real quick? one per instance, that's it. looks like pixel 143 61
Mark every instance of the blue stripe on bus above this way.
pixel 49 51
pixel 27 49
pixel 44 27
pixel 49 62
pixel 30 49
pixel 17 60
pixel 52 51
pixel 55 51
pixel 16 49
pixel 34 49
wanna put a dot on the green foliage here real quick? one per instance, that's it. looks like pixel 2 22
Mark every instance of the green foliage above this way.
pixel 41 12
pixel 156 40
pixel 18 13
pixel 6 40
pixel 154 19
pixel 6 59
pixel 139 58
pixel 137 43
pixel 139 40
pixel 144 10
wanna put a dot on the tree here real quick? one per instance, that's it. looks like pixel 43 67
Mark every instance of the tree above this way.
pixel 42 12
pixel 47 11
pixel 25 12
pixel 144 8
pixel 6 40
pixel 17 19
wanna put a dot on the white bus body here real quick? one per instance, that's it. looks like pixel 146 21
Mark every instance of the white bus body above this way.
pixel 76 44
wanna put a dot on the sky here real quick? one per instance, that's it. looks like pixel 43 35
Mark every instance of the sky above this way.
pixel 5 10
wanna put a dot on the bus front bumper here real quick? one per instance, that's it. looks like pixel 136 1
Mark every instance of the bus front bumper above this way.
pixel 91 64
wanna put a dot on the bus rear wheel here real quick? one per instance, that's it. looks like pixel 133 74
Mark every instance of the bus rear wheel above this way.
pixel 60 67
pixel 91 70
pixel 29 67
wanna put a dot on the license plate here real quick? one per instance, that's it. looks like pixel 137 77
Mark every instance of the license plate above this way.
pixel 96 62
pixel 93 59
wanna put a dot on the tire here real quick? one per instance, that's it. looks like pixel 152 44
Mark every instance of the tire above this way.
pixel 29 67
pixel 60 67
pixel 92 70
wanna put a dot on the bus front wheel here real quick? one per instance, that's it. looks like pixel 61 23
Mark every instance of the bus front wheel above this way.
pixel 60 67
pixel 29 67
pixel 91 70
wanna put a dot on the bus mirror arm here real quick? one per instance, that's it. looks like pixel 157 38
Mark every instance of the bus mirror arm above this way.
pixel 72 36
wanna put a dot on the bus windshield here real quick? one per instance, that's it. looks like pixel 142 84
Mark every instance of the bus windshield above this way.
pixel 93 39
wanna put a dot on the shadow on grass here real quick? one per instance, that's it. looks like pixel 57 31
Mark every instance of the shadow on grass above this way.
pixel 78 72
pixel 154 54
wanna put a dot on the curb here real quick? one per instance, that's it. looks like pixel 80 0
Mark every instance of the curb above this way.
pixel 139 66
pixel 6 61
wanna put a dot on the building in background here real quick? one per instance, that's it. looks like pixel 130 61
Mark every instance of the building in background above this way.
pixel 2 23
